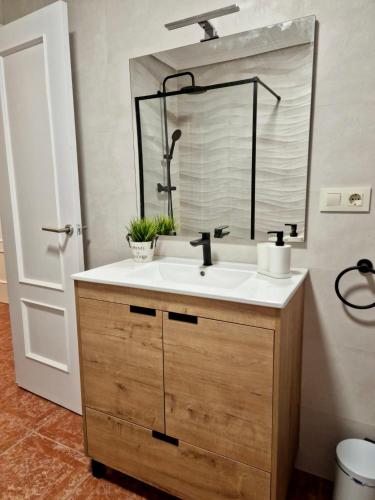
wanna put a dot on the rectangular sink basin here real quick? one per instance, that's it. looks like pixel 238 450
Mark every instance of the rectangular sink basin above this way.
pixel 191 274
pixel 224 281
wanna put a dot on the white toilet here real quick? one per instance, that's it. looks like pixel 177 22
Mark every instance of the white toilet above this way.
pixel 355 472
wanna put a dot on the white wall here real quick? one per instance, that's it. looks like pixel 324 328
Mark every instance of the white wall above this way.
pixel 339 346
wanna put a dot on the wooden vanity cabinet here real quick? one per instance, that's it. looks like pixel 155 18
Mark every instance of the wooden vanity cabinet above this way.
pixel 197 397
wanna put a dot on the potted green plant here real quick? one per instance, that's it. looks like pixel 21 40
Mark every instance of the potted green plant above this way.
pixel 142 237
pixel 165 225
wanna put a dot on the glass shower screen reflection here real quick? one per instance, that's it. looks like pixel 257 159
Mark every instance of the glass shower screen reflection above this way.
pixel 209 179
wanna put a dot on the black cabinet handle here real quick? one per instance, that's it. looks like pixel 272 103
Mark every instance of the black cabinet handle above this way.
pixel 186 318
pixel 143 310
pixel 165 438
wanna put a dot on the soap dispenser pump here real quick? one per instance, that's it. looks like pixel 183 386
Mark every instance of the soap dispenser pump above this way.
pixel 279 238
pixel 293 230
pixel 279 257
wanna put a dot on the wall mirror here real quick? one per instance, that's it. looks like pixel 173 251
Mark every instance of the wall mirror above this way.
pixel 221 131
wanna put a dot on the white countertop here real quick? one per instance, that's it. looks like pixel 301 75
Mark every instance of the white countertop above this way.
pixel 224 281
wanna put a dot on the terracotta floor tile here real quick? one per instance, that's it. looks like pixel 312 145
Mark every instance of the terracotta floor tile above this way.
pixel 6 381
pixel 65 427
pixel 6 358
pixel 6 354
pixel 6 350
pixel 4 332
pixel 4 317
pixel 6 346
pixel 26 408
pixel 36 467
pixel 7 368
pixel 10 432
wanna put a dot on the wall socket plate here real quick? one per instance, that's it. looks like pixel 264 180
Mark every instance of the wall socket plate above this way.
pixel 345 199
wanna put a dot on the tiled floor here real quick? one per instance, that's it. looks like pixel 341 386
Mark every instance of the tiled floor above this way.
pixel 41 449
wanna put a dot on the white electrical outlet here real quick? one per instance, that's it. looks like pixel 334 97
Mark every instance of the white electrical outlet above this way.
pixel 343 199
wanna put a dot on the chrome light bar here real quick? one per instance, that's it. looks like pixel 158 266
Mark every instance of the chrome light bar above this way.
pixel 203 21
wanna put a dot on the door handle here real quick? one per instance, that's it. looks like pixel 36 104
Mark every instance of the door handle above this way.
pixel 68 230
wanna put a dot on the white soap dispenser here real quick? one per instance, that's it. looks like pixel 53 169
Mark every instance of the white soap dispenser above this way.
pixel 279 257
pixel 262 257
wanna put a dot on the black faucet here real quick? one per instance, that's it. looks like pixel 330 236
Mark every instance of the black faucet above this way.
pixel 220 233
pixel 205 241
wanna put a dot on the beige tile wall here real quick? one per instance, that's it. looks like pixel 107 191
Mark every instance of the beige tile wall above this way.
pixel 219 174
pixel 339 347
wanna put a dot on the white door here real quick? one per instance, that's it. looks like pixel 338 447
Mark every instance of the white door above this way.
pixel 3 281
pixel 39 188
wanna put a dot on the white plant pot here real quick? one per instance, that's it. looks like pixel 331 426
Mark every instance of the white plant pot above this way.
pixel 142 251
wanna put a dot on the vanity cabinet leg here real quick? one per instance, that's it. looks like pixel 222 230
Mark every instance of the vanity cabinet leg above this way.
pixel 97 469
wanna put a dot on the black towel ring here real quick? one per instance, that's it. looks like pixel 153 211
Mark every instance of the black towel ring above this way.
pixel 363 266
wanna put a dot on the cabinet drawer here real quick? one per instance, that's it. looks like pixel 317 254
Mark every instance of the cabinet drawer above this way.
pixel 184 470
pixel 122 361
pixel 218 380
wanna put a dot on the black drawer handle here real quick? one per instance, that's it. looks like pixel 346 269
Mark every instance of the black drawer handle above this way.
pixel 143 310
pixel 186 318
pixel 165 438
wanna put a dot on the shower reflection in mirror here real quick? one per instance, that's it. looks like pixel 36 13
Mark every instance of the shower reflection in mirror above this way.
pixel 226 140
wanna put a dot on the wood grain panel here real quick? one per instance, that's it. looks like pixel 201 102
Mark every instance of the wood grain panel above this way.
pixel 287 392
pixel 122 362
pixel 83 399
pixel 184 470
pixel 246 314
pixel 218 388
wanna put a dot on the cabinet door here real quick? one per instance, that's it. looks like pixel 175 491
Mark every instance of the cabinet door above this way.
pixel 218 387
pixel 122 361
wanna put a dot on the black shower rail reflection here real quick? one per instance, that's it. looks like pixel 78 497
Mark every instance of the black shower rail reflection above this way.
pixel 197 89
pixel 168 156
